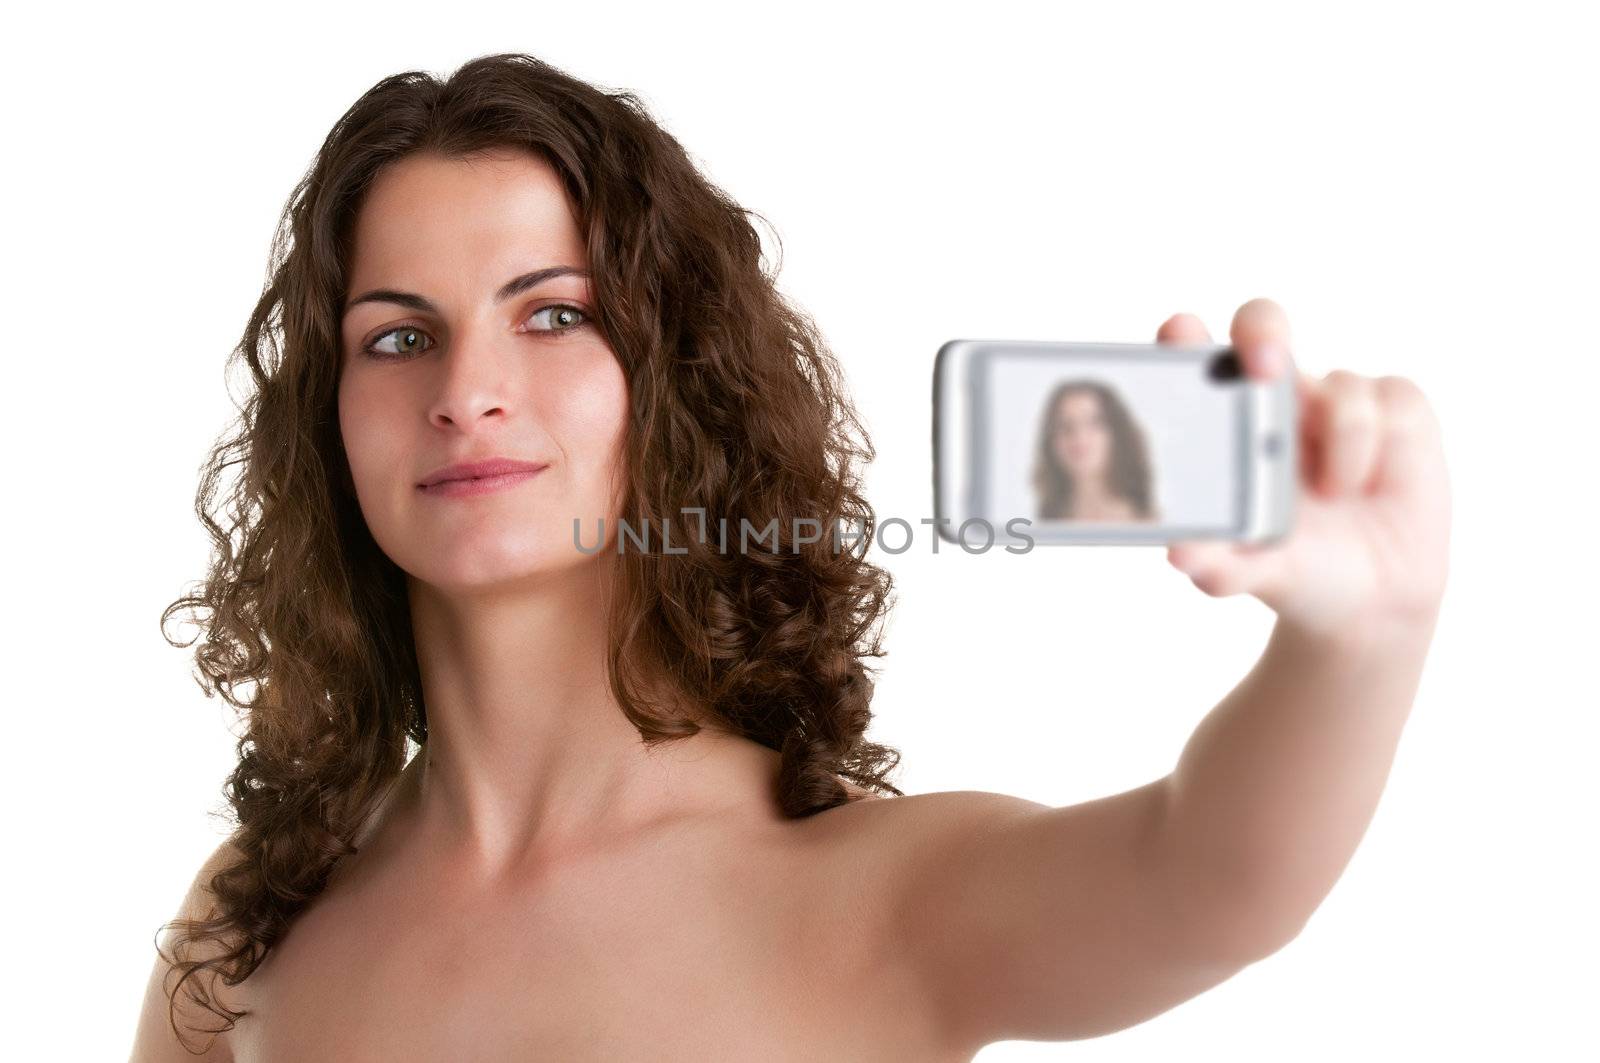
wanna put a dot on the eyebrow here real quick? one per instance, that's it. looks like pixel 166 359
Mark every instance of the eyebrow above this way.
pixel 514 286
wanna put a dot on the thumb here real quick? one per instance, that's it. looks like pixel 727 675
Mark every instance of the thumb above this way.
pixel 1222 568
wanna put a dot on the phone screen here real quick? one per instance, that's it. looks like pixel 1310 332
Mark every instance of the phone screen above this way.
pixel 1107 441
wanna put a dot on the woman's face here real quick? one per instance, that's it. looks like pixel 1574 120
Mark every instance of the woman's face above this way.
pixel 1082 437
pixel 450 363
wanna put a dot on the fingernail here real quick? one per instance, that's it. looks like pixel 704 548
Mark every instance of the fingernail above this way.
pixel 1270 357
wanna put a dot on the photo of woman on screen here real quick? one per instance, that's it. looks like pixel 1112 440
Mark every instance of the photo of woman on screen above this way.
pixel 1093 459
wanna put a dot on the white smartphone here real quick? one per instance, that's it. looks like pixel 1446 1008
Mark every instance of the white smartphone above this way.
pixel 1108 443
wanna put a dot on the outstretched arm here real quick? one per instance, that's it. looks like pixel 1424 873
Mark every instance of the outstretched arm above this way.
pixel 1030 922
pixel 1278 783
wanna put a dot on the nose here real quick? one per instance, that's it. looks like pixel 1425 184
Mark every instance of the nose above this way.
pixel 474 380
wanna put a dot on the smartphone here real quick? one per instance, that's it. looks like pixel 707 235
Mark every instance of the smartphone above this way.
pixel 1108 443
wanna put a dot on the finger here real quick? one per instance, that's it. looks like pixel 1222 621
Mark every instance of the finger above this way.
pixel 1346 424
pixel 1309 398
pixel 1409 452
pixel 1221 569
pixel 1205 562
pixel 1260 333
pixel 1306 389
pixel 1183 330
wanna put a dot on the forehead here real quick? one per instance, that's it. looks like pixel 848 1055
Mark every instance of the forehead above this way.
pixel 1080 400
pixel 501 210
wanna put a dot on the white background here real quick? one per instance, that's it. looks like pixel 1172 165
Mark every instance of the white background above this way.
pixel 1415 184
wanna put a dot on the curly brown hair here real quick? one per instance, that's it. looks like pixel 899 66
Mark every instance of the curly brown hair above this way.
pixel 737 406
pixel 1129 476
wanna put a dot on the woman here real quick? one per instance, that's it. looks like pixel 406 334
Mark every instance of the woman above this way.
pixel 642 820
pixel 1092 462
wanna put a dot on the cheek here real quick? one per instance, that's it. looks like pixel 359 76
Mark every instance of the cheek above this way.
pixel 367 442
pixel 349 433
pixel 594 413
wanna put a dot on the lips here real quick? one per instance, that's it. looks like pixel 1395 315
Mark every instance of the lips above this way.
pixel 477 470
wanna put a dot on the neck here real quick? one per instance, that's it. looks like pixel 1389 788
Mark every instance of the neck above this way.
pixel 1093 488
pixel 527 748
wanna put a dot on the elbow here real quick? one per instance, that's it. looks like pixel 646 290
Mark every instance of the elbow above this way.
pixel 1231 917
pixel 1232 905
pixel 1256 936
pixel 1241 926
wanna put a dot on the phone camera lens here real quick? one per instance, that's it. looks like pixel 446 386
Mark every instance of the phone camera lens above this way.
pixel 1225 366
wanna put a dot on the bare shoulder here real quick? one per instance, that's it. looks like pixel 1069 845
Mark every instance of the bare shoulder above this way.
pixel 154 1039
pixel 949 813
pixel 1016 920
pixel 917 826
pixel 895 841
pixel 889 849
pixel 1008 916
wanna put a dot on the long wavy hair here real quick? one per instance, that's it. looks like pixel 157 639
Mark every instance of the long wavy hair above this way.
pixel 1129 474
pixel 737 406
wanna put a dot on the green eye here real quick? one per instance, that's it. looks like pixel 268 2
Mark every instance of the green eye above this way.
pixel 409 341
pixel 566 313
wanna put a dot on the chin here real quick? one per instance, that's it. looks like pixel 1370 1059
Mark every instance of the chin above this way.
pixel 479 561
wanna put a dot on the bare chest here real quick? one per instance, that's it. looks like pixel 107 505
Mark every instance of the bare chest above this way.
pixel 676 956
